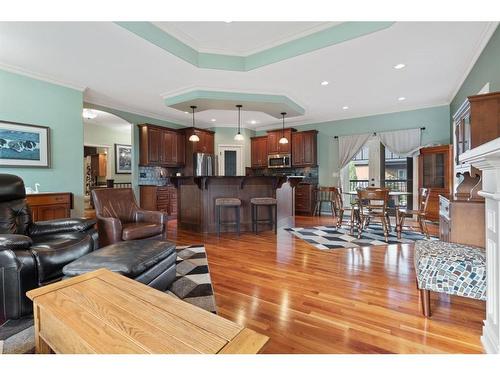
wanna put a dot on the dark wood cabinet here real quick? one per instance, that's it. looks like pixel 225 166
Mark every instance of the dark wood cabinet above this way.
pixel 161 146
pixel 461 221
pixel 305 198
pixel 304 148
pixel 206 142
pixel 259 152
pixel 50 206
pixel 273 145
pixel 436 173
pixel 484 118
pixel 159 198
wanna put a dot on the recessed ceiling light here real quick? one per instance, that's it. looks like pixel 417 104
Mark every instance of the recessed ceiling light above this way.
pixel 345 107
pixel 401 98
pixel 213 120
pixel 399 66
pixel 88 114
pixel 186 112
pixel 324 83
pixel 253 122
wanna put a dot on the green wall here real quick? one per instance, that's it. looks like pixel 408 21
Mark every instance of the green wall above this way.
pixel 486 69
pixel 225 136
pixel 94 134
pixel 434 119
pixel 30 101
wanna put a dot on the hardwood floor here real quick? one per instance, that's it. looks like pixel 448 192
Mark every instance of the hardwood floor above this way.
pixel 339 301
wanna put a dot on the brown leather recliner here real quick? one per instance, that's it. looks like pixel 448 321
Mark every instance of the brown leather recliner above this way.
pixel 119 218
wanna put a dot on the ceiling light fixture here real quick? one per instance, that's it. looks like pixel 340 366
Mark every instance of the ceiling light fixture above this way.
pixel 213 120
pixel 194 137
pixel 239 136
pixel 324 83
pixel 283 140
pixel 399 66
pixel 253 122
pixel 401 98
pixel 89 114
pixel 345 108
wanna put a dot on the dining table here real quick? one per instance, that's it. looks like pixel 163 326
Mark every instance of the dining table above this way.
pixel 395 195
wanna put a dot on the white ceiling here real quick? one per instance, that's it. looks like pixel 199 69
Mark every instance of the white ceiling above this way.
pixel 239 38
pixel 109 121
pixel 123 71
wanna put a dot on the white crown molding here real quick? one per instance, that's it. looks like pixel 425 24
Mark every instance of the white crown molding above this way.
pixel 40 77
pixel 483 41
pixel 134 111
pixel 193 43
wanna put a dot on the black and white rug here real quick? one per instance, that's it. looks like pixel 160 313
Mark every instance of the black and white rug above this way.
pixel 331 237
pixel 192 284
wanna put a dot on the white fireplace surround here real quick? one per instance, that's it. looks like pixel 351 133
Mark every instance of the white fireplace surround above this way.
pixel 487 159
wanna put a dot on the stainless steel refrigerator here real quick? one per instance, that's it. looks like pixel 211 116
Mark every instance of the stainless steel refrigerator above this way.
pixel 203 164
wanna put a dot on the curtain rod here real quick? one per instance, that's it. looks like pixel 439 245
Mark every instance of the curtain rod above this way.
pixel 374 133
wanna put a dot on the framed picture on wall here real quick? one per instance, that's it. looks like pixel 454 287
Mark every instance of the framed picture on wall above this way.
pixel 123 159
pixel 24 145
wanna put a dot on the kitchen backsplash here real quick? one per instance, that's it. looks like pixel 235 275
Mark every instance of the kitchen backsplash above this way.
pixel 310 173
pixel 155 175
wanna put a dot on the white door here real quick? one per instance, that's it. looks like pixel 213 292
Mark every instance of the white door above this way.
pixel 230 161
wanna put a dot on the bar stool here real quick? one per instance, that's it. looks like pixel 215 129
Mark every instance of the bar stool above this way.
pixel 271 203
pixel 230 203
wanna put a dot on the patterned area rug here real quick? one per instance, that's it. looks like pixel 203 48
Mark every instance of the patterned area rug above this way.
pixel 192 284
pixel 331 237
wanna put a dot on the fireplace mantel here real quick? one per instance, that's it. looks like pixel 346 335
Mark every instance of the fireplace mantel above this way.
pixel 486 158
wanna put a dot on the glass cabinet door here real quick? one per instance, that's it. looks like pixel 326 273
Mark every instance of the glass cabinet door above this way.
pixel 434 170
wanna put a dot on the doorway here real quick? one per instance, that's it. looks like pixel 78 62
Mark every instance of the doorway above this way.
pixel 230 161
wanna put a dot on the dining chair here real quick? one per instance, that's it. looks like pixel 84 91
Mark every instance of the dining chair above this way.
pixel 325 194
pixel 420 213
pixel 340 208
pixel 373 205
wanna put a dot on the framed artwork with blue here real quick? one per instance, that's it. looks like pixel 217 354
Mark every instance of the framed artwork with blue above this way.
pixel 123 159
pixel 24 145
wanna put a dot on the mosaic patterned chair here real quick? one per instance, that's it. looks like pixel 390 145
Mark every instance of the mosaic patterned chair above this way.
pixel 450 268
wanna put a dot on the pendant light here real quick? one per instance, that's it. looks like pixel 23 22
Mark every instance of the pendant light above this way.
pixel 194 137
pixel 283 140
pixel 238 136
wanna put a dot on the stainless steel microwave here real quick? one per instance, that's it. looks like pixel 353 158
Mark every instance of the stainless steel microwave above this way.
pixel 279 161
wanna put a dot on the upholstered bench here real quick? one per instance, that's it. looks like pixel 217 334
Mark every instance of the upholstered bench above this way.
pixel 449 268
pixel 151 262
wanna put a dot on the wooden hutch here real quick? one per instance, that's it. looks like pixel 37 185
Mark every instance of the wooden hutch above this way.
pixel 462 214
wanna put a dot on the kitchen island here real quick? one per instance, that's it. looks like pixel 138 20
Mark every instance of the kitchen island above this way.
pixel 196 200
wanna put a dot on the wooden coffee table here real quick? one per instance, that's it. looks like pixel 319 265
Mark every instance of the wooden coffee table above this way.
pixel 106 313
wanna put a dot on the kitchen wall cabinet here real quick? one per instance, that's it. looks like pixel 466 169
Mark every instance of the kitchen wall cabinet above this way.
pixel 259 152
pixel 159 198
pixel 206 142
pixel 161 146
pixel 273 145
pixel 304 148
pixel 98 165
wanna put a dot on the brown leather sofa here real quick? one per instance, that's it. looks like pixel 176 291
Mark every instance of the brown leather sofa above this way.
pixel 119 218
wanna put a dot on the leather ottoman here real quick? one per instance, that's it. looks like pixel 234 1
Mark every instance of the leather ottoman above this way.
pixel 151 262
